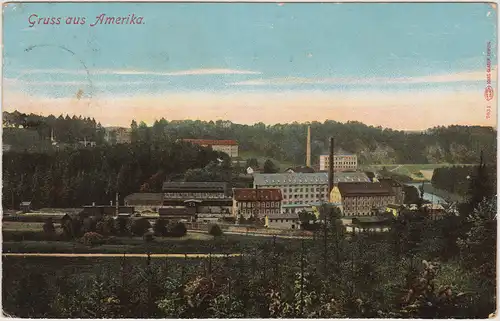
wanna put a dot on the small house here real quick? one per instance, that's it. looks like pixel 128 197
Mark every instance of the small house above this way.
pixel 25 207
pixel 286 222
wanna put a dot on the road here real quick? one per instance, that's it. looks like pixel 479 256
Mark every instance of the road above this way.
pixel 189 256
pixel 259 234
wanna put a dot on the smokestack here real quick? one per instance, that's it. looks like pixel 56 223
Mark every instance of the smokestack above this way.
pixel 308 151
pixel 330 167
pixel 116 204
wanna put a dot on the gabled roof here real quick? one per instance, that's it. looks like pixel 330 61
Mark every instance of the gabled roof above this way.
pixel 308 178
pixel 154 197
pixel 201 186
pixel 390 182
pixel 365 189
pixel 257 194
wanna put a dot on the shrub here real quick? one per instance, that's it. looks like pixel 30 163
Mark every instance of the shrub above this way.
pixel 178 230
pixel 105 226
pixel 122 225
pixel 215 230
pixel 140 226
pixel 48 227
pixel 148 237
pixel 92 238
pixel 160 227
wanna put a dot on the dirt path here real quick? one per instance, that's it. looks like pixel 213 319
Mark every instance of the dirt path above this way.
pixel 189 256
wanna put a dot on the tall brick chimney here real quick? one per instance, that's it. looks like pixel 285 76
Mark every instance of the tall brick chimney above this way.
pixel 308 151
pixel 330 167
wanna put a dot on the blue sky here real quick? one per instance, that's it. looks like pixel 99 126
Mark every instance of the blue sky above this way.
pixel 247 52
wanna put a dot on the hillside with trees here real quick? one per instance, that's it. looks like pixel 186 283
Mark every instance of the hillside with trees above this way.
pixel 77 177
pixel 283 142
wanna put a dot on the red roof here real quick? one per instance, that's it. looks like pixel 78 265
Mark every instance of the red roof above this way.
pixel 257 194
pixel 211 142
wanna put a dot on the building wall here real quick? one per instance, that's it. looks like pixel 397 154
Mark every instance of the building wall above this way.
pixel 195 195
pixel 301 193
pixel 340 162
pixel 282 223
pixel 231 150
pixel 363 205
pixel 258 209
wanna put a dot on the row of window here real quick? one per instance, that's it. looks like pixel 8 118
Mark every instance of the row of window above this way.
pixel 194 195
pixel 299 196
pixel 259 204
pixel 303 189
pixel 302 201
pixel 252 212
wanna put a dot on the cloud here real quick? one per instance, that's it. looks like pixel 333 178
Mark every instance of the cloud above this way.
pixel 444 78
pixel 189 72
pixel 16 82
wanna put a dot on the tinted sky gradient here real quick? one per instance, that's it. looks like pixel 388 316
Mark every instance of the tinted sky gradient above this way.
pixel 405 66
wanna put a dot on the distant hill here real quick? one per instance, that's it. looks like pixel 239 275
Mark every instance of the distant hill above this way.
pixel 283 142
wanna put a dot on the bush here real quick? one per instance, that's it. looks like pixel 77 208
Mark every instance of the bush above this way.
pixel 215 230
pixel 178 230
pixel 92 238
pixel 48 227
pixel 148 237
pixel 160 227
pixel 105 226
pixel 122 225
pixel 140 226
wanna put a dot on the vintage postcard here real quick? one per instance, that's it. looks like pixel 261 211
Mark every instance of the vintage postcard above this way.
pixel 249 160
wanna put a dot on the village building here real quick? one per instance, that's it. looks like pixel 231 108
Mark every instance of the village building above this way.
pixel 288 222
pixel 229 147
pixel 362 199
pixel 257 203
pixel 144 201
pixel 118 135
pixel 302 191
pixel 396 187
pixel 25 207
pixel 204 199
pixel 341 162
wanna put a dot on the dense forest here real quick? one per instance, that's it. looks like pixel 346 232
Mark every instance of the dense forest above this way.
pixel 283 142
pixel 456 179
pixel 77 177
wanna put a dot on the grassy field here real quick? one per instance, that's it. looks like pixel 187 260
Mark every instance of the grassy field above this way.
pixel 261 159
pixel 24 226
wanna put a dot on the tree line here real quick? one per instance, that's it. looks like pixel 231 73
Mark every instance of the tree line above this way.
pixel 287 142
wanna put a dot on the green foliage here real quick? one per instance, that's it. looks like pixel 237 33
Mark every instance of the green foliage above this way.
pixel 48 227
pixel 253 162
pixel 178 230
pixel 478 246
pixel 215 230
pixel 411 193
pixel 160 227
pixel 270 167
pixel 71 178
pixel 140 226
pixel 92 238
